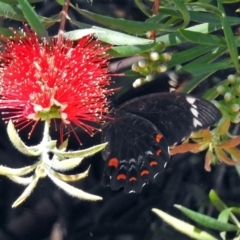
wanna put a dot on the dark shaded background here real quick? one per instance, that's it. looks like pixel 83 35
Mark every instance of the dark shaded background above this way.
pixel 51 214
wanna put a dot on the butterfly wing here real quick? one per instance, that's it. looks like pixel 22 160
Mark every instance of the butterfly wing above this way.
pixel 135 153
pixel 176 115
pixel 141 131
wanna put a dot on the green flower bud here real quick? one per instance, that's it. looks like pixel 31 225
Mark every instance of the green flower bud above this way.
pixel 138 82
pixel 231 78
pixel 235 108
pixel 220 89
pixel 142 63
pixel 150 77
pixel 237 88
pixel 228 97
pixel 167 57
pixel 135 67
pixel 154 56
pixel 162 68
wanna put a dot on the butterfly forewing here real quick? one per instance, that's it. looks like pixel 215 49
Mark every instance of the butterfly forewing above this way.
pixel 176 115
pixel 135 153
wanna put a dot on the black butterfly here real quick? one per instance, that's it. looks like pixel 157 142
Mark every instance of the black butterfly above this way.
pixel 141 132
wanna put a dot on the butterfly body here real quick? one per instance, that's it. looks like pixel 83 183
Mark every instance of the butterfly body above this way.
pixel 141 132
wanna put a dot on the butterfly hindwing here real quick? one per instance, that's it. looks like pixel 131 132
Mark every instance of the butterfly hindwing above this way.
pixel 135 153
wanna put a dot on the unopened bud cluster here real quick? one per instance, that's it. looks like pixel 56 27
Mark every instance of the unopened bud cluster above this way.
pixel 230 104
pixel 152 63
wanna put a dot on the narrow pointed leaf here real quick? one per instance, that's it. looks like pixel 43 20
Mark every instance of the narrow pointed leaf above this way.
pixel 26 193
pixel 224 158
pixel 17 142
pixel 75 192
pixel 21 180
pixel 207 221
pixel 230 39
pixel 118 38
pixel 17 171
pixel 15 2
pixel 79 33
pixel 80 153
pixel 32 18
pixel 201 38
pixel 11 12
pixel 216 201
pixel 65 165
pixel 231 143
pixel 184 11
pixel 70 178
pixel 183 227
pixel 133 27
pixel 125 51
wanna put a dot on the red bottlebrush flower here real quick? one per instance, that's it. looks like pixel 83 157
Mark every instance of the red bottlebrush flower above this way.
pixel 43 79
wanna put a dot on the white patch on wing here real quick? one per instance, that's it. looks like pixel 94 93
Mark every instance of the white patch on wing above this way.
pixel 191 100
pixel 173 82
pixel 196 122
pixel 194 112
pixel 155 175
pixel 173 76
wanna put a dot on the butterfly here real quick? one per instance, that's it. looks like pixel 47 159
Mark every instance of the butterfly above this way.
pixel 142 130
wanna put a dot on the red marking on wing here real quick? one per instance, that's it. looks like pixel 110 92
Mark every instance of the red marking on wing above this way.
pixel 144 172
pixel 158 137
pixel 132 179
pixel 158 152
pixel 152 163
pixel 121 176
pixel 113 162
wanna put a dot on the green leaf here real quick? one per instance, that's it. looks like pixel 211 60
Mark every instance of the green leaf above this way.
pixel 210 56
pixel 201 17
pixel 201 72
pixel 143 7
pixel 188 55
pixel 200 69
pixel 15 2
pixel 80 153
pixel 230 1
pixel 133 27
pixel 118 38
pixel 232 46
pixel 221 206
pixel 125 51
pixel 224 215
pixel 177 38
pixel 207 221
pixel 184 11
pixel 6 32
pixel 79 33
pixel 11 12
pixel 32 18
pixel 208 7
pixel 183 227
pixel 201 38
pixel 80 24
pixel 212 93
